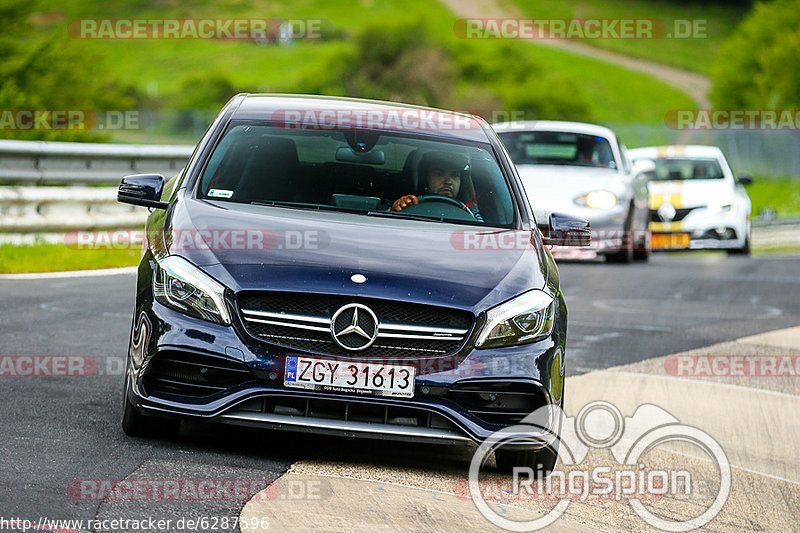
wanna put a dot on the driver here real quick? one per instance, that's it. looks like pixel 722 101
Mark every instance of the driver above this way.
pixel 443 174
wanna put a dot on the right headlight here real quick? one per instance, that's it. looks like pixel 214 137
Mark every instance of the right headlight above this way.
pixel 527 318
pixel 182 286
pixel 597 200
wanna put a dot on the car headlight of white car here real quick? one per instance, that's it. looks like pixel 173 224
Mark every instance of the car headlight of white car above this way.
pixel 597 200
pixel 184 287
pixel 526 318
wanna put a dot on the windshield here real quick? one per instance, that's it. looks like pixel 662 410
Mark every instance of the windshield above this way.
pixel 685 168
pixel 553 148
pixel 359 171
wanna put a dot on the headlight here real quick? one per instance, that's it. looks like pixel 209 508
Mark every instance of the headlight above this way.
pixel 182 286
pixel 597 200
pixel 526 318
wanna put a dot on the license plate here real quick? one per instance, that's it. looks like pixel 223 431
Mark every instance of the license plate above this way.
pixel 349 376
pixel 669 240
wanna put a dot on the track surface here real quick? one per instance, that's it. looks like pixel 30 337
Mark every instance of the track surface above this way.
pixel 58 430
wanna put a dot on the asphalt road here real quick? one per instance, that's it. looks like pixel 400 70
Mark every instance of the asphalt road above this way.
pixel 57 430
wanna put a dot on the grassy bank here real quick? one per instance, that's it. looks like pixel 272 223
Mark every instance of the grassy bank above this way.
pixel 696 53
pixel 45 257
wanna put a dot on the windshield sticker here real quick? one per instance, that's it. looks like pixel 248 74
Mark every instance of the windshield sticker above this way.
pixel 220 193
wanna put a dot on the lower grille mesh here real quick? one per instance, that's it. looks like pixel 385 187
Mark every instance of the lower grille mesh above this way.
pixel 194 375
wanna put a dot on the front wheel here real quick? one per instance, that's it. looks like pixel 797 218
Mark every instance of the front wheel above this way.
pixel 626 253
pixel 643 249
pixel 744 250
pixel 135 424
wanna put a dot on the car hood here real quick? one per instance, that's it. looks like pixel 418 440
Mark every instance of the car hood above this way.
pixel 549 181
pixel 689 193
pixel 318 251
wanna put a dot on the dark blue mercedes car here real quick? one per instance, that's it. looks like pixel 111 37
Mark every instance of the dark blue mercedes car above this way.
pixel 344 266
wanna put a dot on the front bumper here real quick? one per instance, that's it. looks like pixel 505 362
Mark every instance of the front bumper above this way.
pixel 705 230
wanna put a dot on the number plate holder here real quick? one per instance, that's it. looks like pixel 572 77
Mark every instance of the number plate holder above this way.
pixel 360 377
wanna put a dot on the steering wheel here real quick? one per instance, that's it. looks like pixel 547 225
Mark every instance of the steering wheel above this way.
pixel 444 199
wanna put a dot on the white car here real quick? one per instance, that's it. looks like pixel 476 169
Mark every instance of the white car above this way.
pixel 583 171
pixel 695 200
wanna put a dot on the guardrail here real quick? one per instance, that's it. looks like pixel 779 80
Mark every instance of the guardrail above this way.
pixel 58 186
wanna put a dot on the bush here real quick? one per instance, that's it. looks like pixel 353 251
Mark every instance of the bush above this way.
pixel 757 66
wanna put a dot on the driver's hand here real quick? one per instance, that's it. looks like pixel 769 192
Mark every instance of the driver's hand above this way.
pixel 403 202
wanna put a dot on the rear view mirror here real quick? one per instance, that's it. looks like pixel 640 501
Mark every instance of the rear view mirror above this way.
pixel 644 166
pixel 744 179
pixel 348 155
pixel 142 189
pixel 563 230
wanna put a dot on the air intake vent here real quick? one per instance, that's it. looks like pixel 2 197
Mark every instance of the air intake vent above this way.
pixel 500 403
pixel 194 375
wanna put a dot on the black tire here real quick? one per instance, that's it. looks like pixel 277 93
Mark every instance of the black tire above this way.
pixel 625 255
pixel 542 461
pixel 642 251
pixel 135 424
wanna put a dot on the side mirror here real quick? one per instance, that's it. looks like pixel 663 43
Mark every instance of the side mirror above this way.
pixel 744 179
pixel 142 189
pixel 563 230
pixel 644 166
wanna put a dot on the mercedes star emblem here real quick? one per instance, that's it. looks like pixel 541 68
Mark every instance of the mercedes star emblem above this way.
pixel 354 327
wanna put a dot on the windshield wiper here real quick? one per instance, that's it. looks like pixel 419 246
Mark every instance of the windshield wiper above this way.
pixel 300 205
pixel 399 214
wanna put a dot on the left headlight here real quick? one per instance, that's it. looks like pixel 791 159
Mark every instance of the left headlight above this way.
pixel 526 318
pixel 597 200
pixel 182 286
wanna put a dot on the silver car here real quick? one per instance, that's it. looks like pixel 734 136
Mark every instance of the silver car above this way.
pixel 582 170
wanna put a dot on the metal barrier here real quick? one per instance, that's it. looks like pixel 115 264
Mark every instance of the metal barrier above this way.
pixel 58 186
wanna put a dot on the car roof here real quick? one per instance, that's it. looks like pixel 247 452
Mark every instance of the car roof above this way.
pixel 256 107
pixel 677 150
pixel 554 125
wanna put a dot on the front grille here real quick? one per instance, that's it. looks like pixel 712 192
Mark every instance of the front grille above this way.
pixel 191 374
pixel 348 411
pixel 680 214
pixel 302 322
pixel 499 403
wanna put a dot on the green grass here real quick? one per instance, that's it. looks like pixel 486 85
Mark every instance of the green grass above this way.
pixel 158 67
pixel 617 95
pixel 781 195
pixel 695 54
pixel 46 257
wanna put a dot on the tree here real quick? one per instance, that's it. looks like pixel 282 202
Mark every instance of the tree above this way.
pixel 757 66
